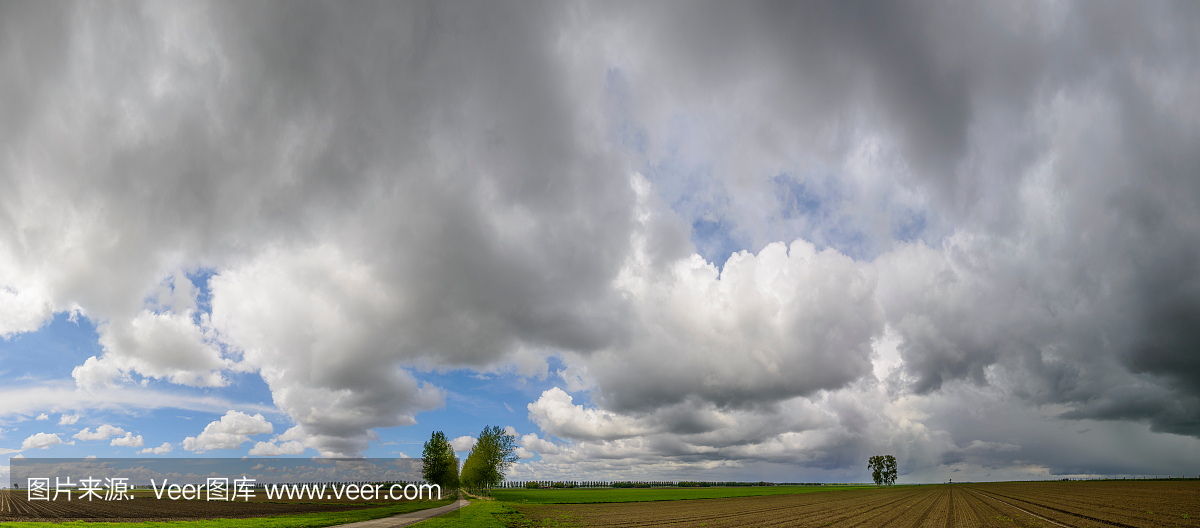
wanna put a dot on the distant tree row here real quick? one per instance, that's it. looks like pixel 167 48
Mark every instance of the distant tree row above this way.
pixel 495 452
pixel 536 484
pixel 687 484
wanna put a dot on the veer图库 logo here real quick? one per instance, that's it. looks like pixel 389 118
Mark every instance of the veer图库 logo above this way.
pixel 204 479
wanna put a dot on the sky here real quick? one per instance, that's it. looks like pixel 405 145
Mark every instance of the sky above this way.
pixel 652 240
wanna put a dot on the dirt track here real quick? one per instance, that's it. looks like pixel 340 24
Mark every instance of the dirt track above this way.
pixel 1048 504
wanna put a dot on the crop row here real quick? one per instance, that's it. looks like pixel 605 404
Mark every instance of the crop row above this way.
pixel 976 505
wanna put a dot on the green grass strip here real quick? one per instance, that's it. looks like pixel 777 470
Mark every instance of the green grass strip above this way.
pixel 298 520
pixel 603 495
pixel 480 514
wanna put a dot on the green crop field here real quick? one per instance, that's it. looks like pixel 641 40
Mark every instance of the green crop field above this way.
pixel 603 495
pixel 480 514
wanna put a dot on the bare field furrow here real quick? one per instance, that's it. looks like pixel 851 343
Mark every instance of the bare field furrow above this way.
pixel 950 514
pixel 989 513
pixel 1056 514
pixel 1129 508
pixel 987 505
pixel 867 510
pixel 1147 501
pixel 655 514
pixel 1104 517
pixel 921 502
pixel 912 518
pixel 719 512
pixel 869 514
pixel 883 512
pixel 1006 511
pixel 841 512
pixel 969 510
pixel 853 509
pixel 796 508
pixel 1101 512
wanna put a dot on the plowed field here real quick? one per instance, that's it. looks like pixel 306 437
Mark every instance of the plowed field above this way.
pixel 15 507
pixel 1048 504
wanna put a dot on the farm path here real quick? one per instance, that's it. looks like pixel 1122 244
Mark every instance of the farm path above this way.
pixel 406 519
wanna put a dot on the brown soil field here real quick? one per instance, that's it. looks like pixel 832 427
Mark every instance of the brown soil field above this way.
pixel 1009 504
pixel 15 507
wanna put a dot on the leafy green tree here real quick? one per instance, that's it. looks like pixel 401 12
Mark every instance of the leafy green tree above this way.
pixel 883 469
pixel 471 474
pixel 499 454
pixel 493 454
pixel 440 465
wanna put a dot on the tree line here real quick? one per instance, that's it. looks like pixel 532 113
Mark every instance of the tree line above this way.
pixel 536 484
pixel 493 454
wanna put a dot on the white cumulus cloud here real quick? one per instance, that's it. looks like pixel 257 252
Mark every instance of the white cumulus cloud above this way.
pixel 41 441
pixel 463 443
pixel 160 450
pixel 532 443
pixel 556 414
pixel 230 432
pixel 275 449
pixel 170 346
pixel 104 432
pixel 128 441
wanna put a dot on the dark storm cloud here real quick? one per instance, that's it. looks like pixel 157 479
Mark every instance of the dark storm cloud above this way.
pixel 35 37
pixel 492 220
pixel 383 187
pixel 420 172
pixel 295 113
pixel 948 79
pixel 928 69
pixel 1060 142
pixel 1128 253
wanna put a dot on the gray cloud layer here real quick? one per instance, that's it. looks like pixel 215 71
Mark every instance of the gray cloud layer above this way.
pixel 1006 191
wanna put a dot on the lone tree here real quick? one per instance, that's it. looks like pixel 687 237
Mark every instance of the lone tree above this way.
pixel 492 455
pixel 440 465
pixel 883 469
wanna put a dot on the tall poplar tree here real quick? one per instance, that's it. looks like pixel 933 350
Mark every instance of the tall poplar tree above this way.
pixel 491 457
pixel 440 465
